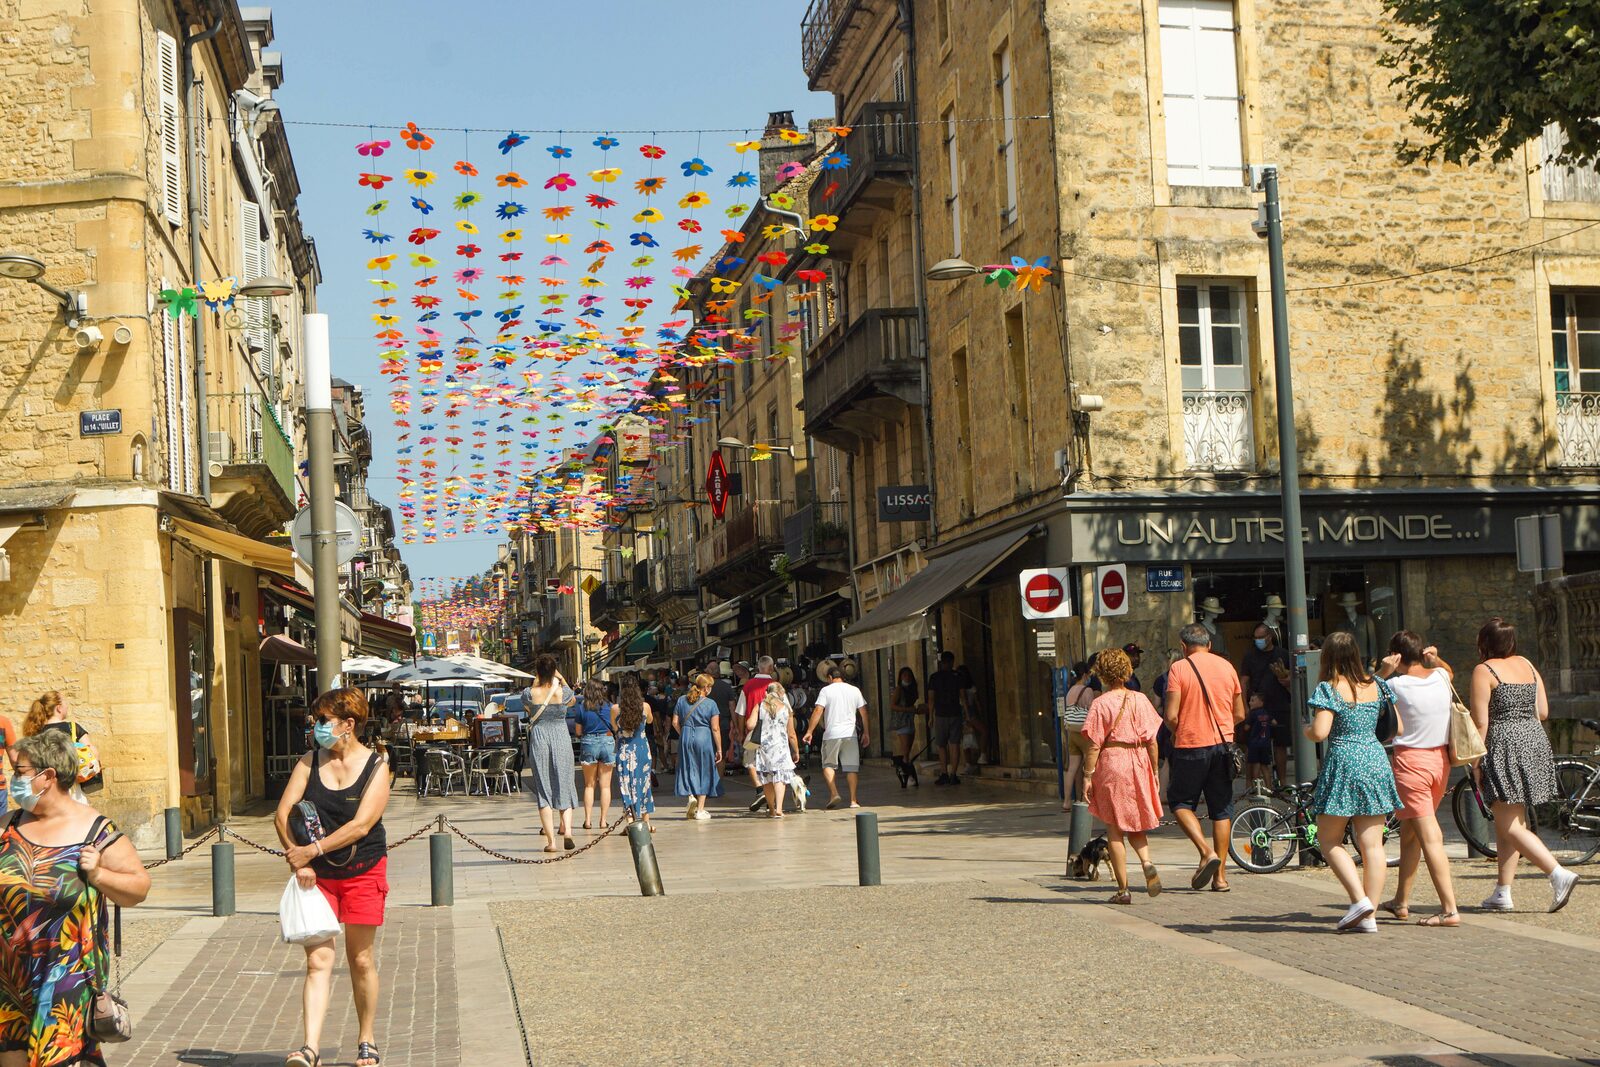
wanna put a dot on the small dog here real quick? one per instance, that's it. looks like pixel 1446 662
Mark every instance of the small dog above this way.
pixel 1086 864
pixel 797 786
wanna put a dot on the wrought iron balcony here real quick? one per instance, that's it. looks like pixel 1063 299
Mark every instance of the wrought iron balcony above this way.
pixel 736 555
pixel 1218 430
pixel 1577 430
pixel 879 147
pixel 818 529
pixel 860 375
pixel 824 25
pixel 255 489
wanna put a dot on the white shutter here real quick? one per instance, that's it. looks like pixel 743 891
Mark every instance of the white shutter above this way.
pixel 257 310
pixel 1200 91
pixel 898 79
pixel 171 136
pixel 186 421
pixel 169 399
pixel 202 152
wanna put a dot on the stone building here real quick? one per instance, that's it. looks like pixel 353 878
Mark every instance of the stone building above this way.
pixel 143 456
pixel 1125 414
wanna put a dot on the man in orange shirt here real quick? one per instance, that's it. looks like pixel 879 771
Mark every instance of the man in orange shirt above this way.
pixel 1203 705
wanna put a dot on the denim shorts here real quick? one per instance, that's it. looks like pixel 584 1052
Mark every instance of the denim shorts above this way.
pixel 597 748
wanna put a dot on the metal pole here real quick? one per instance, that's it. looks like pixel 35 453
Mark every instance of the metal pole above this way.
pixel 644 860
pixel 867 863
pixel 174 827
pixel 222 902
pixel 441 875
pixel 1294 553
pixel 324 534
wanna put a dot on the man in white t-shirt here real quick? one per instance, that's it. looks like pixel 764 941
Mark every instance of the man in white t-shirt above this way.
pixel 839 705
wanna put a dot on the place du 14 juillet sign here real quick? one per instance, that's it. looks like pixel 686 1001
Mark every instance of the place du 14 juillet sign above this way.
pixel 99 423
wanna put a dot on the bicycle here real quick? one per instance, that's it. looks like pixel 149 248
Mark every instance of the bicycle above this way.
pixel 1264 837
pixel 1569 826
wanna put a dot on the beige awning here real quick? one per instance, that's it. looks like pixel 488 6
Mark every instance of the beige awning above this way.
pixel 278 648
pixel 236 547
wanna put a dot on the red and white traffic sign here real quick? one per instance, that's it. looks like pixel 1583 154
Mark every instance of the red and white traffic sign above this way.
pixel 1045 593
pixel 1111 590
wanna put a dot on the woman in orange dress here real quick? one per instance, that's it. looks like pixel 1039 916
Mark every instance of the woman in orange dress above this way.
pixel 1119 773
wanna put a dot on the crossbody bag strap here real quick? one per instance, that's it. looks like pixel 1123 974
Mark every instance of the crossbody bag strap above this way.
pixel 1205 695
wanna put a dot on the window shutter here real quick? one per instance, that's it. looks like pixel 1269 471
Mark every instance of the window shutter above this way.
pixel 169 397
pixel 171 136
pixel 186 422
pixel 202 151
pixel 1200 91
pixel 257 311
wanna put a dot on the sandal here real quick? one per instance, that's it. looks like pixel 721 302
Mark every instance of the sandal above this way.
pixel 1205 872
pixel 367 1055
pixel 1152 880
pixel 1221 887
pixel 1121 898
pixel 1447 919
pixel 1399 911
pixel 568 843
pixel 304 1056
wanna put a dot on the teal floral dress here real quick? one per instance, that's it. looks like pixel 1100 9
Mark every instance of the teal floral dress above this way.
pixel 50 957
pixel 1356 778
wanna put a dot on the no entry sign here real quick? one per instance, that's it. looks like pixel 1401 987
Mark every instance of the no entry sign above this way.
pixel 1044 593
pixel 1111 590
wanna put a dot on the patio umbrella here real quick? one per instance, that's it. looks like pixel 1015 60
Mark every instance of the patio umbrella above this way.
pixel 486 666
pixel 279 648
pixel 367 665
pixel 429 669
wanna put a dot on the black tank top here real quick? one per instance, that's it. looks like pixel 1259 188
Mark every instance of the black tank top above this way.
pixel 338 807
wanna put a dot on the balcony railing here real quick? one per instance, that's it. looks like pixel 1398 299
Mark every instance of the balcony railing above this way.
pixel 879 146
pixel 672 574
pixel 755 527
pixel 876 355
pixel 824 22
pixel 1578 429
pixel 1566 614
pixel 244 431
pixel 1218 430
pixel 608 597
pixel 818 529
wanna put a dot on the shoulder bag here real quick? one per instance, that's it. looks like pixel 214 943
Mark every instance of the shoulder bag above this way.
pixel 110 1021
pixel 1236 755
pixel 1466 743
pixel 1387 727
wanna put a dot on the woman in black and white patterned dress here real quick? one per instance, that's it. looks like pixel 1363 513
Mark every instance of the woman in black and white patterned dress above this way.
pixel 1509 705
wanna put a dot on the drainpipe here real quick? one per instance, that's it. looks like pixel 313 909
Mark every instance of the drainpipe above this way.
pixel 202 421
pixel 908 27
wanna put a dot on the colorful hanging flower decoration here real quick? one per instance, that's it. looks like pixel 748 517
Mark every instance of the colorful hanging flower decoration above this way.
pixel 835 161
pixel 641 281
pixel 467 251
pixel 559 152
pixel 827 223
pixel 598 202
pixel 558 212
pixel 511 180
pixel 420 178
pixel 817 248
pixel 742 180
pixel 606 144
pixel 742 147
pixel 510 141
pixel 422 205
pixel 378 207
pixel 695 167
pixel 734 211
pixel 649 215
pixel 651 151
pixel 690 225
pixel 606 174
pixel 467 169
pixel 421 235
pixel 511 236
pixel 375 181
pixel 643 240
pixel 509 210
pixel 463 201
pixel 694 199
pixel 561 183
pixel 649 186
pixel 375 237
pixel 373 148
pixel 415 138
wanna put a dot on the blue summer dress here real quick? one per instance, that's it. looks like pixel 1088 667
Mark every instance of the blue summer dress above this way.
pixel 550 752
pixel 697 756
pixel 1356 778
pixel 633 772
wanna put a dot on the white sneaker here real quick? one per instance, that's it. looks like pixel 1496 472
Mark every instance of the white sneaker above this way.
pixel 1499 900
pixel 1369 925
pixel 702 815
pixel 1562 882
pixel 1360 910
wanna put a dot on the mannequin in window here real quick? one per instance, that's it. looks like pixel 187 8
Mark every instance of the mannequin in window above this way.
pixel 1359 626
pixel 1210 613
pixel 1274 618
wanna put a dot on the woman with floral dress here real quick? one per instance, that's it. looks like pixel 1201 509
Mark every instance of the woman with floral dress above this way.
pixel 779 747
pixel 1119 769
pixel 631 719
pixel 1356 782
pixel 59 862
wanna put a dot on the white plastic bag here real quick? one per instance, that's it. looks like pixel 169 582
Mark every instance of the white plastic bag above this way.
pixel 305 916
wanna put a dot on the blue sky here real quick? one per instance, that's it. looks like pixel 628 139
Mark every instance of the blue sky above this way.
pixel 604 65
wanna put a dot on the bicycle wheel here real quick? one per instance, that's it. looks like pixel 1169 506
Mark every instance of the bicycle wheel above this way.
pixel 1263 840
pixel 1478 833
pixel 1570 825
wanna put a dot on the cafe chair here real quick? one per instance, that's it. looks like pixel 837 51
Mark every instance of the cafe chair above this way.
pixel 403 759
pixel 492 768
pixel 440 768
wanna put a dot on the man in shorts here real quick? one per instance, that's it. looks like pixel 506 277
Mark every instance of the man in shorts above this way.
pixel 945 699
pixel 839 705
pixel 1203 705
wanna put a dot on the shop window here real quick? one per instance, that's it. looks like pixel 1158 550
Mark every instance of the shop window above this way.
pixel 1575 361
pixel 190 680
pixel 1214 361
pixel 1200 92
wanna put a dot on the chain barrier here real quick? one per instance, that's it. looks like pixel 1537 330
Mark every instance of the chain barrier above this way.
pixel 486 850
pixel 202 839
pixel 228 831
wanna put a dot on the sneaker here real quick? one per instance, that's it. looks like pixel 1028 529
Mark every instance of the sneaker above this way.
pixel 1353 916
pixel 759 802
pixel 702 815
pixel 1369 925
pixel 1500 899
pixel 1562 882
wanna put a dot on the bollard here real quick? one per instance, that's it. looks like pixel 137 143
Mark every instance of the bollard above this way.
pixel 443 876
pixel 1079 831
pixel 644 860
pixel 867 848
pixel 222 879
pixel 174 833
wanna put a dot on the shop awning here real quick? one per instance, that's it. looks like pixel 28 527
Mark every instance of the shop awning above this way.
pixel 381 636
pixel 280 649
pixel 236 547
pixel 903 614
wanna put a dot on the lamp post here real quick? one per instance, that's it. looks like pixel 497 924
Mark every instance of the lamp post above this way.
pixel 324 532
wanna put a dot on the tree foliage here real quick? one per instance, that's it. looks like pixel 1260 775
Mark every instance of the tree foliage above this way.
pixel 1484 77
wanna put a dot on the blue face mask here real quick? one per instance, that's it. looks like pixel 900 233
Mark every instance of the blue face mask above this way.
pixel 1261 643
pixel 323 734
pixel 21 790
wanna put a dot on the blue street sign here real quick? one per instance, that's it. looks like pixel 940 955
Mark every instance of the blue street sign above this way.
pixel 99 423
pixel 1163 580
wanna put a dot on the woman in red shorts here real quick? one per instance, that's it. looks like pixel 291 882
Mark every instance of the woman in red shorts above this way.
pixel 338 845
pixel 1421 761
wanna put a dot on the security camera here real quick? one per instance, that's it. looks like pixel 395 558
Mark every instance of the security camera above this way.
pixel 122 335
pixel 88 336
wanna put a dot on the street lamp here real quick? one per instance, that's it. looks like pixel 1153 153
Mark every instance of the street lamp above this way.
pixel 950 270
pixel 266 286
pixel 734 442
pixel 324 531
pixel 27 269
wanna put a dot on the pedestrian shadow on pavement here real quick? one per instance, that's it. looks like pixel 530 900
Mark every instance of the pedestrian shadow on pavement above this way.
pixel 208 1057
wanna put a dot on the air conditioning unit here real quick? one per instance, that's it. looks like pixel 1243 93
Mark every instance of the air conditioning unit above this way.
pixel 219 446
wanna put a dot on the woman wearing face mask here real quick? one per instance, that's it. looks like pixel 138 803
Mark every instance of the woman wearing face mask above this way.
pixel 339 847
pixel 59 861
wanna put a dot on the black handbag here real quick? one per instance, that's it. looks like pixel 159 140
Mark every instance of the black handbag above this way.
pixel 1388 724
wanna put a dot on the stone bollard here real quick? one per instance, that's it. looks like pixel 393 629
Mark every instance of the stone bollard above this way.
pixel 174 833
pixel 1079 831
pixel 867 848
pixel 644 860
pixel 442 874
pixel 222 897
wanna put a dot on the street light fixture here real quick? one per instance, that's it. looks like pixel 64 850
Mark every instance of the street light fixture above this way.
pixel 950 270
pixel 734 442
pixel 268 285
pixel 27 269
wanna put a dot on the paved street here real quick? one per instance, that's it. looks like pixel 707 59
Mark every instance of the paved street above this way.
pixel 976 950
